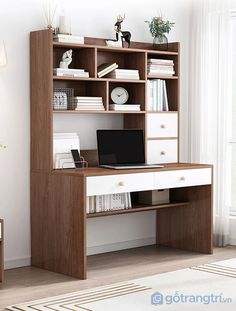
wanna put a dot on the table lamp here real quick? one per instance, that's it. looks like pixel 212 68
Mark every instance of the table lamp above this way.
pixel 3 56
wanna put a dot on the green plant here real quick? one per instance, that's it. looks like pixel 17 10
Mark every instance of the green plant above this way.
pixel 158 27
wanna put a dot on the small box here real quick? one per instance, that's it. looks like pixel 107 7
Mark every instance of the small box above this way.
pixel 154 197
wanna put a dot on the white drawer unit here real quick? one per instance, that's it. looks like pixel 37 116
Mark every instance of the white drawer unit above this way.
pixel 183 178
pixel 97 185
pixel 161 125
pixel 162 151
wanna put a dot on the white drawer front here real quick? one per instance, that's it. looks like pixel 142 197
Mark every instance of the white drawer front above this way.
pixel 97 185
pixel 162 125
pixel 162 151
pixel 182 178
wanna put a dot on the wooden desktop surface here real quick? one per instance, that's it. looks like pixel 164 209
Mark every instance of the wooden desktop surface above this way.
pixel 99 171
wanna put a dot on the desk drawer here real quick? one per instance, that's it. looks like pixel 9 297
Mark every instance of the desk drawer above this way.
pixel 182 178
pixel 97 185
pixel 161 125
pixel 162 151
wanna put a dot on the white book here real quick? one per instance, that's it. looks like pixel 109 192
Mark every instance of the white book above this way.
pixel 155 95
pixel 73 75
pixel 160 61
pixel 161 72
pixel 68 70
pixel 116 107
pixel 88 98
pixel 87 205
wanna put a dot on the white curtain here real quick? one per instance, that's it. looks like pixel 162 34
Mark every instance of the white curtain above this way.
pixel 210 100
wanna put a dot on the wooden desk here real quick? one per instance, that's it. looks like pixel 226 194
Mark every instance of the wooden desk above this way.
pixel 1 251
pixel 58 204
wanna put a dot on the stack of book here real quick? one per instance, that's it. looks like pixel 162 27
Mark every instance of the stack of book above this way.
pixel 105 68
pixel 108 202
pixel 157 95
pixel 68 39
pixel 163 67
pixel 129 107
pixel 125 74
pixel 88 103
pixel 67 72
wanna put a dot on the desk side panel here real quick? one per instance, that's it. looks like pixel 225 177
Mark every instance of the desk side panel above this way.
pixel 187 227
pixel 58 223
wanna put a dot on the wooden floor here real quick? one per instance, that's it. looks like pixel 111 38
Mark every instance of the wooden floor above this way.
pixel 29 283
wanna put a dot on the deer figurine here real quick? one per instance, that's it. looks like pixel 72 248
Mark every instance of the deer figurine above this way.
pixel 121 36
pixel 126 35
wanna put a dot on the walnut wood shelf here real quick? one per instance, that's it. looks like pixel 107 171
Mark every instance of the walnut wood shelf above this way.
pixel 162 77
pixel 100 112
pixel 110 49
pixel 137 209
pixel 64 78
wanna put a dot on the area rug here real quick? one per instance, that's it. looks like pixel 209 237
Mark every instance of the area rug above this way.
pixel 206 287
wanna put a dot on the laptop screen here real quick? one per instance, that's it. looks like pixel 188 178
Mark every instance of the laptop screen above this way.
pixel 120 147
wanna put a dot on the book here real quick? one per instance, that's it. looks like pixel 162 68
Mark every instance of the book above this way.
pixel 63 38
pixel 105 68
pixel 108 202
pixel 68 72
pixel 130 107
pixel 157 99
pixel 124 74
pixel 160 61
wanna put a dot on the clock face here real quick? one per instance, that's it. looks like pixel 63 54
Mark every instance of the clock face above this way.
pixel 119 95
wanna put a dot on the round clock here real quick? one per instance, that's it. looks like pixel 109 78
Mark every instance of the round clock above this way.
pixel 119 95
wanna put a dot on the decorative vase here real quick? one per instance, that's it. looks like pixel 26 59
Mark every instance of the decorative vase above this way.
pixel 160 42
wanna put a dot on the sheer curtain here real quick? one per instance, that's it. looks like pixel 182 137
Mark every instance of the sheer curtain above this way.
pixel 210 99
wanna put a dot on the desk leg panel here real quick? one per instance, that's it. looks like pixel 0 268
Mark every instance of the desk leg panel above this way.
pixel 58 223
pixel 187 227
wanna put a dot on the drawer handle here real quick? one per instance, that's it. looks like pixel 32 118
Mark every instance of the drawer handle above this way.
pixel 121 184
pixel 182 178
pixel 163 126
pixel 163 152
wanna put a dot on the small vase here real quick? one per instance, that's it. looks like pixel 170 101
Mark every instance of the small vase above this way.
pixel 160 42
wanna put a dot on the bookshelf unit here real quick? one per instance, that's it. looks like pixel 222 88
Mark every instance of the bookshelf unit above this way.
pixel 58 197
pixel 89 56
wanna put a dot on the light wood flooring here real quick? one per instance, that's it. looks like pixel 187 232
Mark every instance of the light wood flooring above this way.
pixel 30 283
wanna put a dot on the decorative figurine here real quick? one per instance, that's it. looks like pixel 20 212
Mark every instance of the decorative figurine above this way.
pixel 121 36
pixel 66 59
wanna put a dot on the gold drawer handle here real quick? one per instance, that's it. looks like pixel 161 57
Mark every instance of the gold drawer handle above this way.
pixel 182 178
pixel 121 184
pixel 163 126
pixel 163 152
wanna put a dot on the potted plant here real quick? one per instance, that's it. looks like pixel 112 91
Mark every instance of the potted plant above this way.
pixel 159 28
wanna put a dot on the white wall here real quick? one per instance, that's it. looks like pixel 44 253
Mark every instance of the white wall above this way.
pixel 89 18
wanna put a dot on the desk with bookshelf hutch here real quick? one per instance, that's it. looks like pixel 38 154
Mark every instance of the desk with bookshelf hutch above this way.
pixel 58 197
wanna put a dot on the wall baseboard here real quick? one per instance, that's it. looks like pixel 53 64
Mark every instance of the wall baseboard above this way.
pixel 17 263
pixel 92 250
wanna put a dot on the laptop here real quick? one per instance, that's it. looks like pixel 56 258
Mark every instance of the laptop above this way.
pixel 122 149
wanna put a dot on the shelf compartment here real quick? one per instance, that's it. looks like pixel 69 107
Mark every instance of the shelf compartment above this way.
pixel 82 58
pixel 135 60
pixel 84 88
pixel 136 92
pixel 171 57
pixel 137 209
pixel 172 89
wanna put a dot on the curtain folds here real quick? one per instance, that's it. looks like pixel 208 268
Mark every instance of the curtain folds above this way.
pixel 210 99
